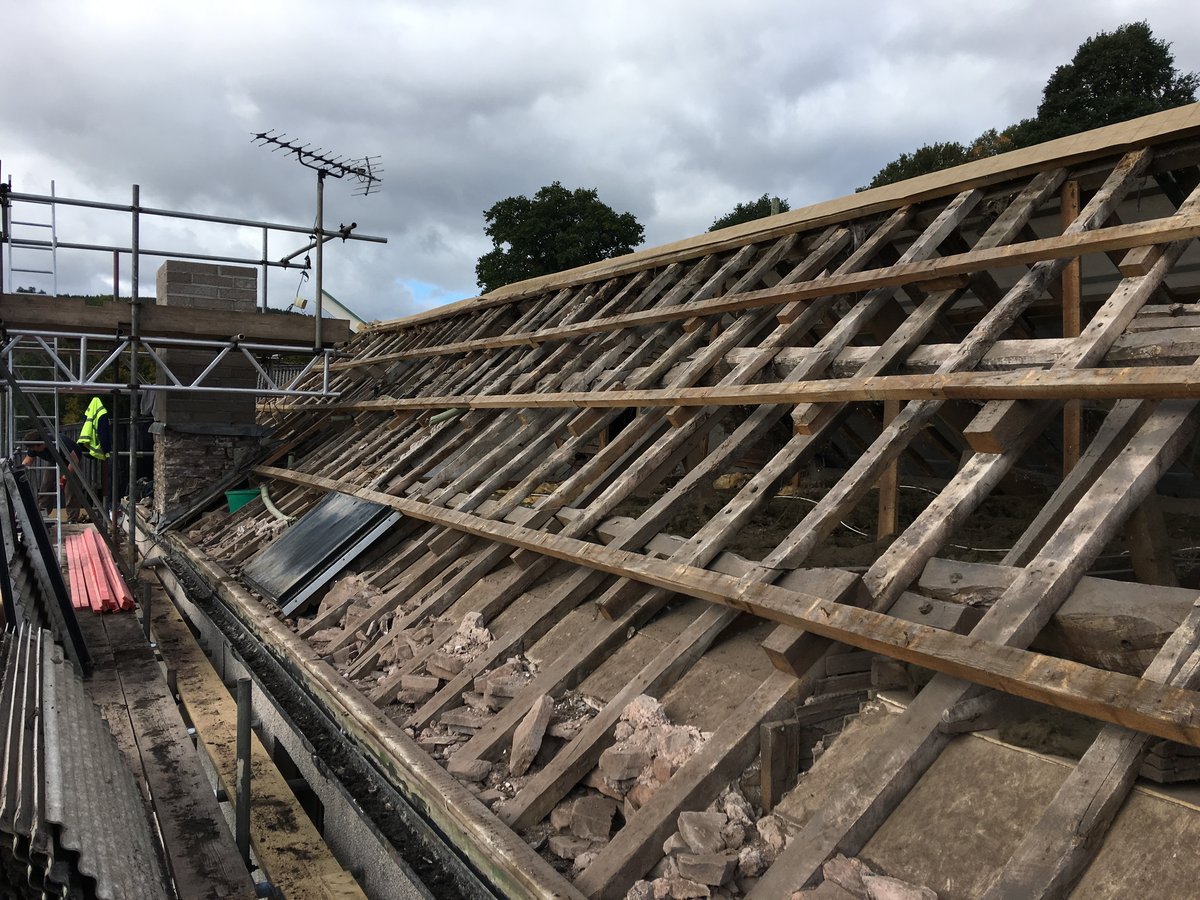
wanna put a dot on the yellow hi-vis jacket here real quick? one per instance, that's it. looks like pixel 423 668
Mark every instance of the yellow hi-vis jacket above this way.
pixel 89 435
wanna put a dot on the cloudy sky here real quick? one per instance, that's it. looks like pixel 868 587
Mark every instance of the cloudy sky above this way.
pixel 674 111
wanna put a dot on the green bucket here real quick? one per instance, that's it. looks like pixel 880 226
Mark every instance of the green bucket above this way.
pixel 238 499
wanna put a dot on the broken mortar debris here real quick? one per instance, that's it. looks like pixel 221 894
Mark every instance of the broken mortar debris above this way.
pixel 722 848
pixel 443 665
pixel 857 880
pixel 468 769
pixel 469 638
pixel 648 749
pixel 353 588
pixel 527 738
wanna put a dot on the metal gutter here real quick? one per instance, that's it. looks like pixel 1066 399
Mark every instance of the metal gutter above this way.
pixel 492 849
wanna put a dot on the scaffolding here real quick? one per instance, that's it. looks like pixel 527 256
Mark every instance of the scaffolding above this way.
pixel 53 361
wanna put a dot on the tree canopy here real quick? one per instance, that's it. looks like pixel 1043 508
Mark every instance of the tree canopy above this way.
pixel 1114 76
pixel 748 212
pixel 554 230
pixel 929 158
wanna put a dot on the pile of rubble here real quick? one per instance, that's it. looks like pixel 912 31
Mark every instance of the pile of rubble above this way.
pixel 852 879
pixel 457 649
pixel 490 693
pixel 648 749
pixel 362 597
pixel 542 730
pixel 647 752
pixel 718 852
pixel 402 646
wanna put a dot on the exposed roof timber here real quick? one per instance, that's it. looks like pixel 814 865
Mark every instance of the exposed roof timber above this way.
pixel 1101 240
pixel 1170 125
pixel 1113 697
pixel 507 860
pixel 1142 382
pixel 548 432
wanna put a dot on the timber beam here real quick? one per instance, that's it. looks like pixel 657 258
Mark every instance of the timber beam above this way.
pixel 30 312
pixel 1128 382
pixel 1068 246
pixel 1112 697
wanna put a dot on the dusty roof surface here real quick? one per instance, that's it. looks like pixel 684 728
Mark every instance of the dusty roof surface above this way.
pixel 900 442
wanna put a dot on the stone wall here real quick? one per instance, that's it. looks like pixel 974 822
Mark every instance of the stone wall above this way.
pixel 200 437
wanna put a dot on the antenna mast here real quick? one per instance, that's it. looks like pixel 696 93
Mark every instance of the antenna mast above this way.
pixel 365 170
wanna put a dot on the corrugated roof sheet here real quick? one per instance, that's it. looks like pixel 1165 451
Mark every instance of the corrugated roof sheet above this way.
pixel 75 817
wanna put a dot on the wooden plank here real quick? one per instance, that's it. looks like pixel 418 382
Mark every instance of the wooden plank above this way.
pixel 1112 625
pixel 1072 325
pixel 900 334
pixel 605 636
pixel 1177 228
pixel 865 253
pixel 980 475
pixel 998 427
pixel 1164 345
pixel 867 467
pixel 947 283
pixel 1139 260
pixel 1173 124
pixel 1117 311
pixel 1149 544
pixel 888 522
pixel 543 790
pixel 886 774
pixel 203 859
pixel 1103 695
pixel 286 844
pixel 1065 839
pixel 104 687
pixel 1122 422
pixel 779 752
pixel 1138 382
pixel 638 431
pixel 661 457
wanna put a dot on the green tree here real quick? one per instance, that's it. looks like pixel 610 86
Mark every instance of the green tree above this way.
pixel 1114 76
pixel 929 158
pixel 554 230
pixel 748 212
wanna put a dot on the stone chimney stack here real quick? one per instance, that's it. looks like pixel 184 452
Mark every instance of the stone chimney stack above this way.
pixel 201 437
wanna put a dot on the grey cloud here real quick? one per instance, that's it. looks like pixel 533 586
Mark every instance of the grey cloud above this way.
pixel 674 111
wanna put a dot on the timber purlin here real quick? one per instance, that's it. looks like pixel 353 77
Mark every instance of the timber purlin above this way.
pixel 655 455
pixel 1174 125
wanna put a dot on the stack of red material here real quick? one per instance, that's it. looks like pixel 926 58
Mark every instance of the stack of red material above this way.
pixel 95 582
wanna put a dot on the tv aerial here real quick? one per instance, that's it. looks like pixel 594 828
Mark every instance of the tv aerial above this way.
pixel 366 171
